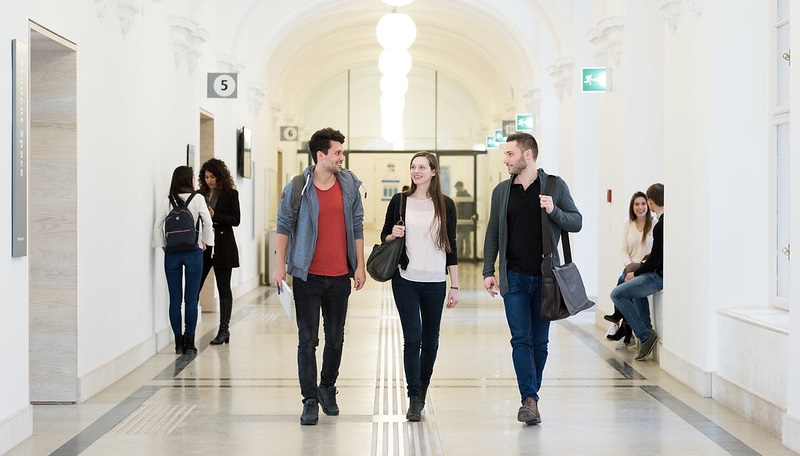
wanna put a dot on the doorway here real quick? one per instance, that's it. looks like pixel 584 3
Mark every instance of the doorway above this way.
pixel 208 303
pixel 53 218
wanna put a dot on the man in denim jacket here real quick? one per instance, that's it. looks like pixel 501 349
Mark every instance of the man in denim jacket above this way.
pixel 326 250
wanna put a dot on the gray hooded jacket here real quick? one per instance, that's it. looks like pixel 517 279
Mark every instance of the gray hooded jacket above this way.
pixel 303 232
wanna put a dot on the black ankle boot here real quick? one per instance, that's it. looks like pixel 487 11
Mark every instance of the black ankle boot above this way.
pixel 179 344
pixel 619 334
pixel 223 335
pixel 628 333
pixel 189 348
pixel 615 317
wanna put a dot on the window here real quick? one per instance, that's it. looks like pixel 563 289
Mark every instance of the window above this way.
pixel 780 163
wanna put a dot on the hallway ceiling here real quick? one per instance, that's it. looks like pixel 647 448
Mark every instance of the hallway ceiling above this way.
pixel 494 50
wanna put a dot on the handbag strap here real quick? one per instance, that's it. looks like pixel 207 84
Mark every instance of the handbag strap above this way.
pixel 547 246
pixel 402 203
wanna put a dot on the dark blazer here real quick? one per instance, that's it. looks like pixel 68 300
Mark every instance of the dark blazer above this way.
pixel 393 215
pixel 226 216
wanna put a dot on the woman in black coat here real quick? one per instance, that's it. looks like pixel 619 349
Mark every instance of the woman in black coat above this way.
pixel 219 190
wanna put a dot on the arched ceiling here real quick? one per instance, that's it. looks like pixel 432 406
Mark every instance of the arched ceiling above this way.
pixel 493 49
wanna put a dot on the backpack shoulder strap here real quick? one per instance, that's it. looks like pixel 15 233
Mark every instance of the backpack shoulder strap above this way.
pixel 297 189
pixel 188 200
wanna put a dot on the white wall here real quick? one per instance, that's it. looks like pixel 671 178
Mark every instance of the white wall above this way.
pixel 16 419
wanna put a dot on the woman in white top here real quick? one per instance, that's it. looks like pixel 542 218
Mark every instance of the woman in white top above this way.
pixel 181 191
pixel 428 223
pixel 636 244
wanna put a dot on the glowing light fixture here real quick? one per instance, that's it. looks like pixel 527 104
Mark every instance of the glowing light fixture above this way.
pixel 397 2
pixel 394 61
pixel 396 31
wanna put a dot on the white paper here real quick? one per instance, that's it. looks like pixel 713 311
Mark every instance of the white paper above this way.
pixel 285 296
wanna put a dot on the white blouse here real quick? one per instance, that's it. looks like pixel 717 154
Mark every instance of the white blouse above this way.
pixel 197 207
pixel 426 263
pixel 633 250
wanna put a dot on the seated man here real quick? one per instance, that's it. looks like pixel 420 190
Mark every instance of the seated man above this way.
pixel 646 280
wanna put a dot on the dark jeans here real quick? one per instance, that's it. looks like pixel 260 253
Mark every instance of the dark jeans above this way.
pixel 223 278
pixel 631 299
pixel 330 295
pixel 174 265
pixel 529 331
pixel 222 275
pixel 420 307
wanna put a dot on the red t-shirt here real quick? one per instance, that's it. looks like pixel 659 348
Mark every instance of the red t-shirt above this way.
pixel 330 253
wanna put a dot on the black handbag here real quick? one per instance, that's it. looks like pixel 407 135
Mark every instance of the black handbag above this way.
pixel 384 260
pixel 563 293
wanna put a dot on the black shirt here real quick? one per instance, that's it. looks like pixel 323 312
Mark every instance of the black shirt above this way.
pixel 524 217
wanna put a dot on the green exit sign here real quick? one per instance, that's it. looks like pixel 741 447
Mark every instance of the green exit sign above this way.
pixel 594 79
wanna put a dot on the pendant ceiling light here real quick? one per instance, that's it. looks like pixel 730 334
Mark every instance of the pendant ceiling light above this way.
pixel 396 31
pixel 397 2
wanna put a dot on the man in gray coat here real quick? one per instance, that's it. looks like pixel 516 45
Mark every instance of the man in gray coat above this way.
pixel 514 232
pixel 327 249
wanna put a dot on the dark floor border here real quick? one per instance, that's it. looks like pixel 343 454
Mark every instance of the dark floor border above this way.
pixel 624 369
pixel 706 427
pixel 101 426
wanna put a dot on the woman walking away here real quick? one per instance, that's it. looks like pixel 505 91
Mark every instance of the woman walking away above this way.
pixel 219 190
pixel 183 244
pixel 419 287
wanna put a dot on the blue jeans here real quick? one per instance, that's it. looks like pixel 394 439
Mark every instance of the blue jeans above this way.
pixel 329 295
pixel 420 307
pixel 631 299
pixel 529 331
pixel 639 301
pixel 174 265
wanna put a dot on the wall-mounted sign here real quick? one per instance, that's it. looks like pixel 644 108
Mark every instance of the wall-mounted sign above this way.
pixel 594 79
pixel 222 85
pixel 19 146
pixel 498 136
pixel 525 122
pixel 490 142
pixel 288 133
pixel 509 128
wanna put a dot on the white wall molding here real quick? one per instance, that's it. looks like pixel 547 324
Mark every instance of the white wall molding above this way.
pixel 128 11
pixel 101 6
pixel 790 432
pixel 255 97
pixel 671 9
pixel 561 72
pixel 698 380
pixel 697 6
pixel 532 102
pixel 755 408
pixel 607 38
pixel 187 39
pixel 107 374
pixel 15 428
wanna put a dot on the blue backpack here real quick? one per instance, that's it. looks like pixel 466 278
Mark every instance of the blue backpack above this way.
pixel 180 228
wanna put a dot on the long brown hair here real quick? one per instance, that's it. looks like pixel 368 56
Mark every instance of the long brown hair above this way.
pixel 220 170
pixel 648 217
pixel 181 182
pixel 435 193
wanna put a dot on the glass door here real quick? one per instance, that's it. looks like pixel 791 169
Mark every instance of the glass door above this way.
pixel 459 182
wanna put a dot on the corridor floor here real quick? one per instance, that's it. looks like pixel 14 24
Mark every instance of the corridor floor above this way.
pixel 244 399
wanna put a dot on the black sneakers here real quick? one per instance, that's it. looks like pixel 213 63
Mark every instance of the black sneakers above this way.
pixel 310 414
pixel 327 399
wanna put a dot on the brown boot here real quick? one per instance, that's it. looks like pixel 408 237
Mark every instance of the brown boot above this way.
pixel 529 412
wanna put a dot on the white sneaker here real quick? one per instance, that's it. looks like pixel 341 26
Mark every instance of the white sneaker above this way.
pixel 612 329
pixel 621 345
